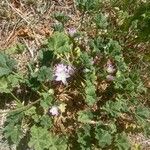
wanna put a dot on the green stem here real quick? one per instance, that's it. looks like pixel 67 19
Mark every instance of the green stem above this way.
pixel 21 108
pixel 29 66
pixel 44 87
pixel 16 99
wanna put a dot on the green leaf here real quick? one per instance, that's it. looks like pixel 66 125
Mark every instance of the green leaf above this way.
pixel 46 121
pixel 86 60
pixel 88 5
pixel 57 143
pixel 85 116
pixel 121 142
pixel 142 18
pixel 16 49
pixel 4 85
pixel 115 108
pixel 104 137
pixel 15 79
pixel 31 111
pixel 100 20
pixel 41 139
pixel 61 17
pixel 59 43
pixel 12 130
pixel 45 57
pixel 146 129
pixel 122 15
pixel 58 27
pixel 90 89
pixel 97 44
pixel 6 65
pixel 46 101
pixel 90 100
pixel 8 83
pixel 84 137
pixel 114 49
pixel 44 74
pixel 143 112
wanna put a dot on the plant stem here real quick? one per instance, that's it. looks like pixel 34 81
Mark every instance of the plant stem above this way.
pixel 44 87
pixel 16 99
pixel 21 108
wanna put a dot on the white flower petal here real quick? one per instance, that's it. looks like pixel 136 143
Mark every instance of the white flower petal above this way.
pixel 62 72
pixel 54 111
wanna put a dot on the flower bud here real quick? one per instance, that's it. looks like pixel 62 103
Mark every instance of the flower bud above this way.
pixel 110 69
pixel 54 111
pixel 110 78
pixel 72 31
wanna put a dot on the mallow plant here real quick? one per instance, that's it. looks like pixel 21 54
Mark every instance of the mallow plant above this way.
pixel 83 91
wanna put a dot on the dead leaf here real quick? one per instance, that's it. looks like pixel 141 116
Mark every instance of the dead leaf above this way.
pixel 62 107
pixel 16 3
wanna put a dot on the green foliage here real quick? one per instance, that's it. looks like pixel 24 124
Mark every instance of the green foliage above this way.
pixel 104 137
pixel 58 27
pixel 114 108
pixel 12 130
pixel 113 48
pixel 85 116
pixel 15 80
pixel 3 85
pixel 45 57
pixel 31 112
pixel 43 74
pixel 42 139
pixel 100 21
pixel 121 142
pixel 84 137
pixel 7 65
pixel 90 93
pixel 88 5
pixel 11 81
pixel 142 114
pixel 59 43
pixel 90 111
pixel 90 79
pixel 16 49
pixel 142 18
pixel 46 121
pixel 97 44
pixel 61 17
pixel 46 101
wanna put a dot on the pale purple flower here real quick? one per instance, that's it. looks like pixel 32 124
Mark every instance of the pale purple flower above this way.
pixel 62 72
pixel 72 31
pixel 110 78
pixel 54 111
pixel 110 69
pixel 70 70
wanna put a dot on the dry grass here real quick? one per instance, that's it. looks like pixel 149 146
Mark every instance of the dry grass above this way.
pixel 29 23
